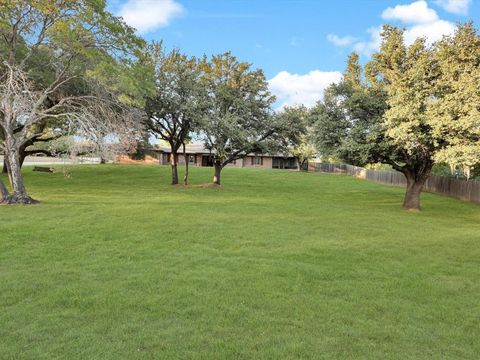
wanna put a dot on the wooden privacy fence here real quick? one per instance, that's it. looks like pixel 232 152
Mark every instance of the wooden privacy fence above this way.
pixel 457 188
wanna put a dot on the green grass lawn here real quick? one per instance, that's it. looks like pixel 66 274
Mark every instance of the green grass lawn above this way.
pixel 117 264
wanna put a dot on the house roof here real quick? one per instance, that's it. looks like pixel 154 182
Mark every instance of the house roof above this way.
pixel 196 148
pixel 199 148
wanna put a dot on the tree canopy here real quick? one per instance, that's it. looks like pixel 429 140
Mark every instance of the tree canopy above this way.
pixel 53 56
pixel 348 122
pixel 176 108
pixel 414 106
pixel 68 64
pixel 296 136
pixel 238 117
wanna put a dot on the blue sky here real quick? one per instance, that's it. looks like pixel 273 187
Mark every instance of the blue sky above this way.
pixel 301 45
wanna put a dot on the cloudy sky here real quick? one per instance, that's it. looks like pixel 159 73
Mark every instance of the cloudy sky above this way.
pixel 300 44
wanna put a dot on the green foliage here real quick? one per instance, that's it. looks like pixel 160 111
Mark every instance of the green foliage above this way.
pixel 407 75
pixel 238 117
pixel 59 64
pixel 456 109
pixel 177 106
pixel 76 39
pixel 141 147
pixel 296 134
pixel 348 123
pixel 61 145
pixel 433 95
pixel 443 169
pixel 296 122
pixel 353 74
pixel 415 105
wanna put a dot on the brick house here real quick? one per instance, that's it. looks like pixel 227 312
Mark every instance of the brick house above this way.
pixel 199 156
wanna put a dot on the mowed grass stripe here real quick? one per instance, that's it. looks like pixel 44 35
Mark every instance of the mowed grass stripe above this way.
pixel 116 263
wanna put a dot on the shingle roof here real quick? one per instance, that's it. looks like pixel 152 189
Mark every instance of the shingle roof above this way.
pixel 199 148
pixel 196 148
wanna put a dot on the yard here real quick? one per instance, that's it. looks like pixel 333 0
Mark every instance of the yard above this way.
pixel 117 264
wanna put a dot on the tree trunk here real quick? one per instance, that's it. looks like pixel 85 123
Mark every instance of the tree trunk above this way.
pixel 173 163
pixel 7 165
pixel 4 194
pixel 218 170
pixel 299 164
pixel 19 195
pixel 22 154
pixel 413 191
pixel 185 179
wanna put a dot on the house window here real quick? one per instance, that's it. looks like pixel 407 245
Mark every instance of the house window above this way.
pixel 257 160
pixel 191 159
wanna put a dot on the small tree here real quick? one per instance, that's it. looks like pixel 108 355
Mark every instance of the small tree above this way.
pixel 175 109
pixel 304 152
pixel 348 123
pixel 238 118
pixel 297 133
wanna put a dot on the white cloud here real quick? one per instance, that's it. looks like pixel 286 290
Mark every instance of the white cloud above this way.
pixel 341 40
pixel 372 45
pixel 459 7
pixel 417 12
pixel 307 89
pixel 431 32
pixel 422 21
pixel 296 42
pixel 148 15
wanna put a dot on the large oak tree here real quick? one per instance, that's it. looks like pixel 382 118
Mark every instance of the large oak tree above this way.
pixel 52 51
pixel 416 105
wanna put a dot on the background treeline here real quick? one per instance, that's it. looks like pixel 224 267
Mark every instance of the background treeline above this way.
pixel 71 70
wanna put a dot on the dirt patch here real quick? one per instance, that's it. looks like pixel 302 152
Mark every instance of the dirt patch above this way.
pixel 199 186
pixel 149 160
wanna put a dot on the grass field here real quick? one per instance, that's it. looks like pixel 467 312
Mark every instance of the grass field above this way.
pixel 117 264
